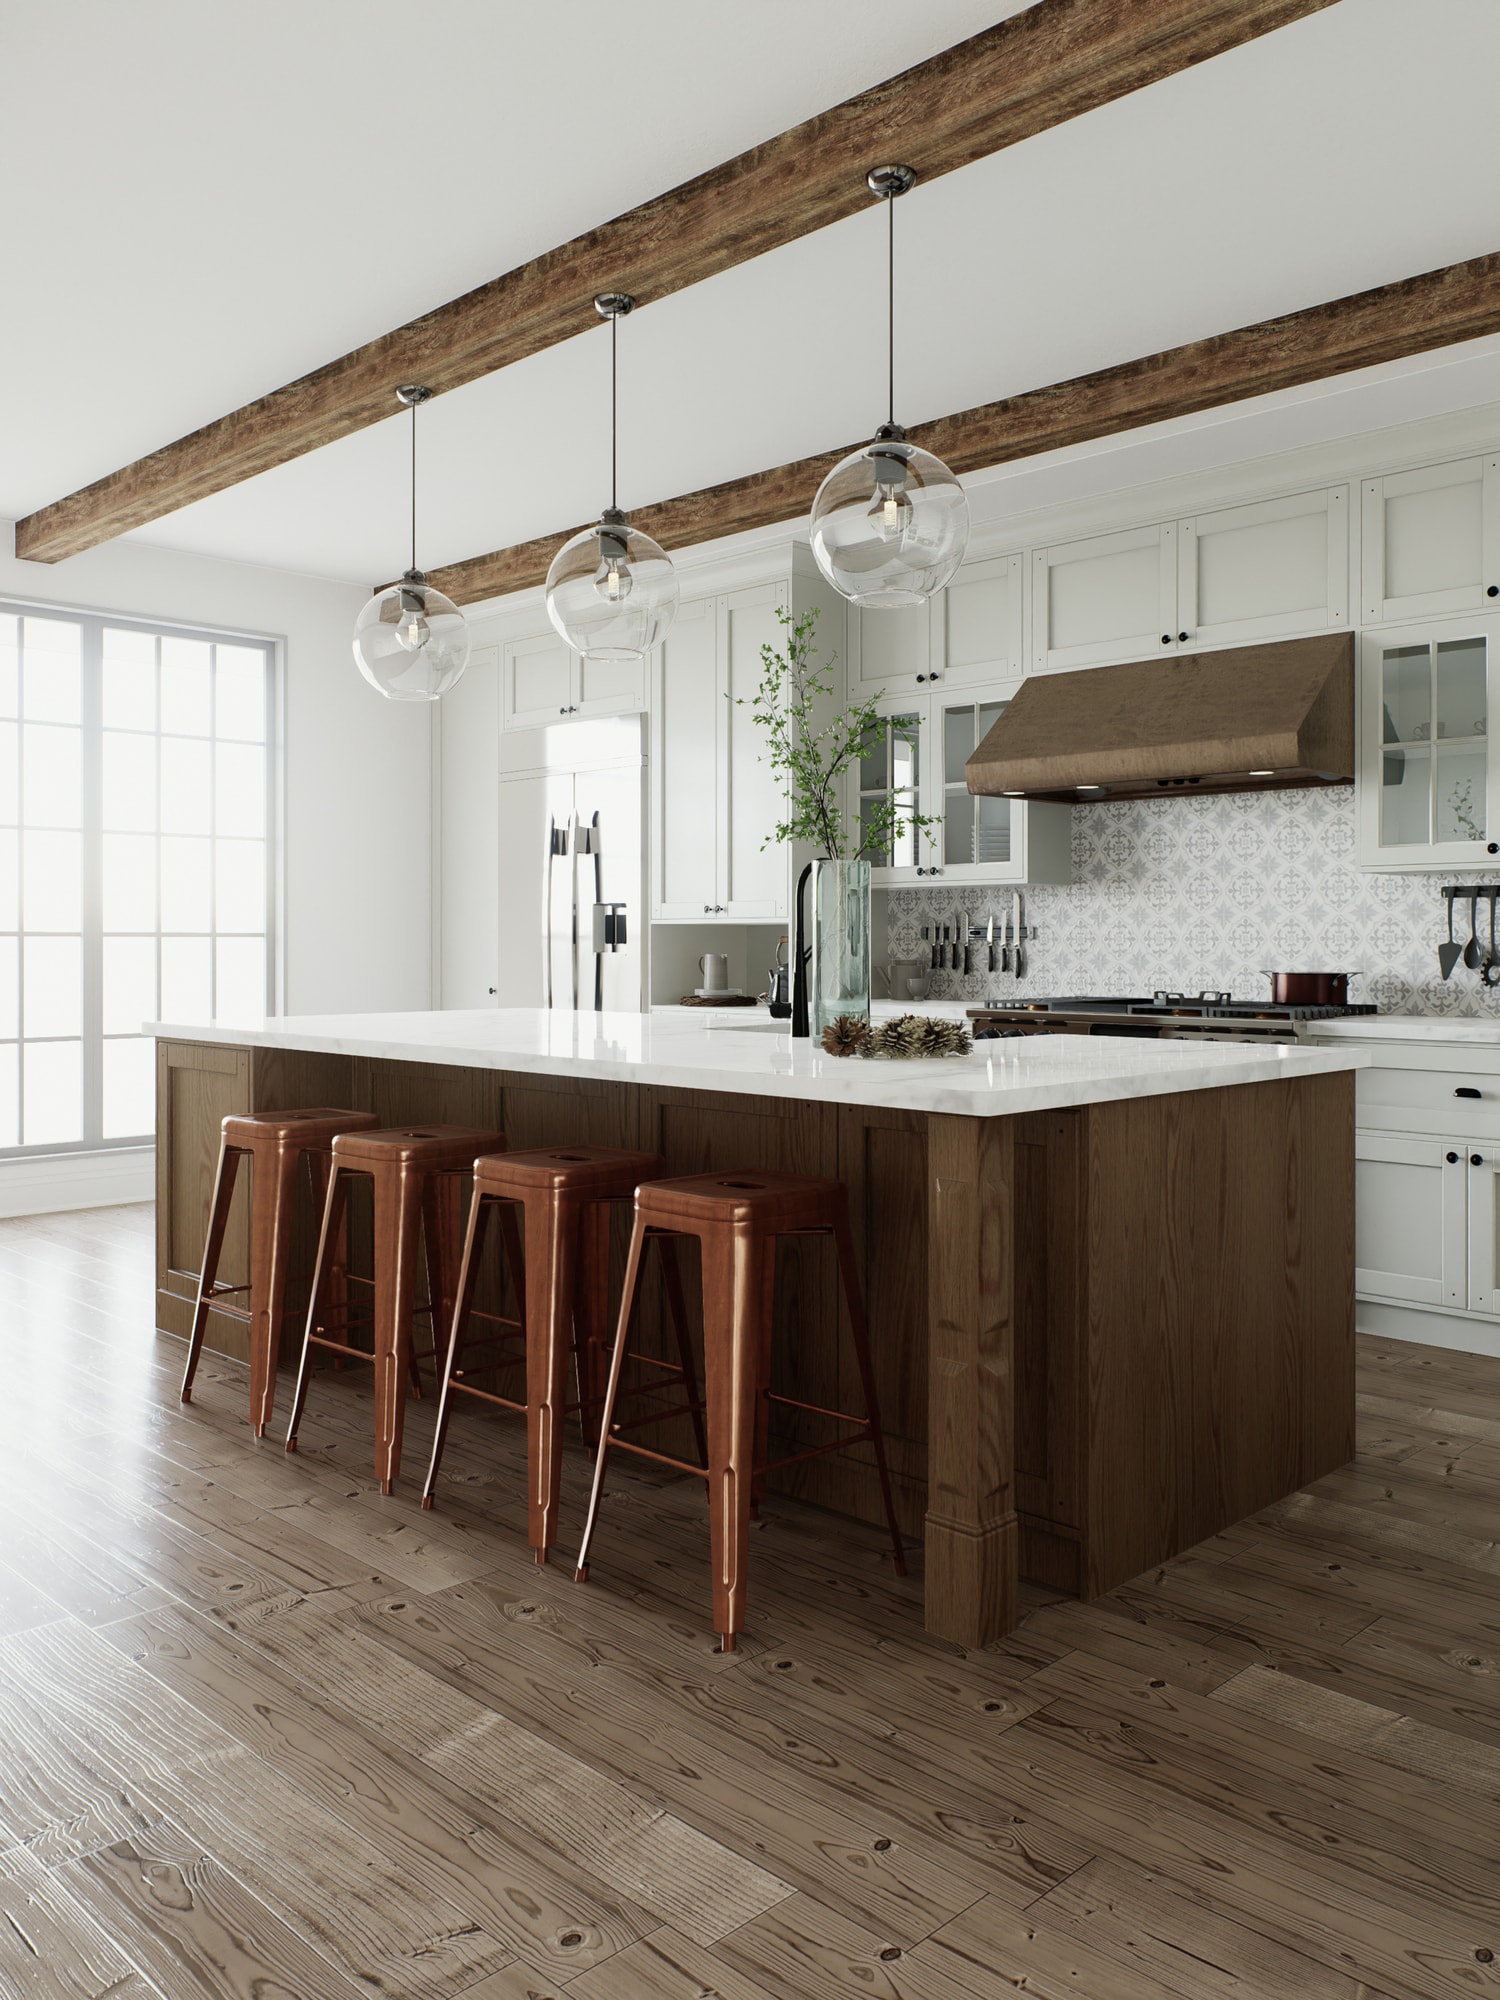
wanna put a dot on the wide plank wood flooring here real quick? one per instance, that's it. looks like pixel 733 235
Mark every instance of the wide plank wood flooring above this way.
pixel 264 1734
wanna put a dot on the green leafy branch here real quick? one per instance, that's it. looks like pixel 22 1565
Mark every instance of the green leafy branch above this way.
pixel 796 685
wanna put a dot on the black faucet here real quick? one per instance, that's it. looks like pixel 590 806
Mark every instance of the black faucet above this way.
pixel 801 1025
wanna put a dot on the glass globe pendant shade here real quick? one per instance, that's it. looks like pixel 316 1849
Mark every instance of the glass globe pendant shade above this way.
pixel 611 591
pixel 411 642
pixel 890 523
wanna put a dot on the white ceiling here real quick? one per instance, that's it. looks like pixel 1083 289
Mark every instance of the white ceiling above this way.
pixel 233 198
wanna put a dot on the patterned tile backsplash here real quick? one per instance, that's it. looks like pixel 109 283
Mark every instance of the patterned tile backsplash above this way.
pixel 1185 894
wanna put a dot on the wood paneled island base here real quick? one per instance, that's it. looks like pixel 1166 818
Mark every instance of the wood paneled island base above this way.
pixel 1100 1333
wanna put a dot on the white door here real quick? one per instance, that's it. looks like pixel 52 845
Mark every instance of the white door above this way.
pixel 1427 791
pixel 893 767
pixel 1430 540
pixel 520 971
pixel 609 687
pixel 754 864
pixel 468 719
pixel 538 681
pixel 686 706
pixel 987 838
pixel 890 652
pixel 1411 1200
pixel 1112 597
pixel 976 625
pixel 1279 566
pixel 1484 1239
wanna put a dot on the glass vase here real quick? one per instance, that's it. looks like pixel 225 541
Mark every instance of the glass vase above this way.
pixel 841 942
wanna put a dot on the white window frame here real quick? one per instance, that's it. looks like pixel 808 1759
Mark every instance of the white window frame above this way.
pixel 92 624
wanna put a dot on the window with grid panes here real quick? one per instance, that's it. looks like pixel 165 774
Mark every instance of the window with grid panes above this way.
pixel 134 820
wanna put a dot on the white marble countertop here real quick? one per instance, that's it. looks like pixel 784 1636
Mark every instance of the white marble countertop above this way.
pixel 1430 1028
pixel 681 1049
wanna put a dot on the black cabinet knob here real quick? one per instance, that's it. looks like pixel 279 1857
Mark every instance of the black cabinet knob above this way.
pixel 1466 1090
pixel 1182 636
pixel 1476 1159
pixel 1493 591
pixel 1451 1158
pixel 1166 638
pixel 1493 847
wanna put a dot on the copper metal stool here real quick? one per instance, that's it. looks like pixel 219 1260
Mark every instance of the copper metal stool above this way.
pixel 275 1143
pixel 417 1174
pixel 565 1194
pixel 737 1218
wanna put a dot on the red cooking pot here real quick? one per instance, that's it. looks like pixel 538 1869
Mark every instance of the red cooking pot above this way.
pixel 1310 989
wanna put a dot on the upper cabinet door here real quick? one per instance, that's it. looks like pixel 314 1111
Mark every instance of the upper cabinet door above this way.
pixel 976 625
pixel 610 687
pixel 1256 572
pixel 538 683
pixel 686 717
pixel 755 865
pixel 1430 540
pixel 1112 597
pixel 890 652
pixel 893 770
pixel 987 838
pixel 1426 787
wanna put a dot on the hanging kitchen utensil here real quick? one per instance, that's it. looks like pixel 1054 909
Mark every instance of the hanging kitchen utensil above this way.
pixel 1471 949
pixel 1450 953
pixel 1489 972
pixel 989 938
pixel 1020 958
pixel 964 928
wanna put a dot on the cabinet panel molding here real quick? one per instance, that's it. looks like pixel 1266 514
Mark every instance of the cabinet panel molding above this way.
pixel 1104 599
pixel 1430 540
pixel 1266 570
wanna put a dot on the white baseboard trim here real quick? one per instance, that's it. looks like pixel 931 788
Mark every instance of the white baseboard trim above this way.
pixel 1466 1333
pixel 48 1183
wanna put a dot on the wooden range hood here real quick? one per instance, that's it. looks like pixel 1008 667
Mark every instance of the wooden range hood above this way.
pixel 1247 719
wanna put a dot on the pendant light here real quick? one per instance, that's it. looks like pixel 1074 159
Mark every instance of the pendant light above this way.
pixel 410 641
pixel 612 591
pixel 890 522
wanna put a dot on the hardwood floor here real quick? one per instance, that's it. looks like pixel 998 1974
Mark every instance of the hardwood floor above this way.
pixel 263 1733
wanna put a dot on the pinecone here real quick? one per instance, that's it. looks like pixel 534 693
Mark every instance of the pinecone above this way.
pixel 917 1035
pixel 847 1036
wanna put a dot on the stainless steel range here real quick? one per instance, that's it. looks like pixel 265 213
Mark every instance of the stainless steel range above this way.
pixel 1163 1016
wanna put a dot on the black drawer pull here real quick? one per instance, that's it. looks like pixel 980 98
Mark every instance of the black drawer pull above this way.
pixel 1476 1159
pixel 1467 1090
pixel 1451 1158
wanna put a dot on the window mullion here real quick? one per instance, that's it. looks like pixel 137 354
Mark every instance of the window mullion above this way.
pixel 91 749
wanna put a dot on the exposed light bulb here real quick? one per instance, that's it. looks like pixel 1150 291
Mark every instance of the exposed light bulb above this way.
pixel 613 580
pixel 891 512
pixel 412 628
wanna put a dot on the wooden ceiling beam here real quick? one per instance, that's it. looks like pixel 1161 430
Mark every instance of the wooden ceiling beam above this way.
pixel 1038 69
pixel 1438 309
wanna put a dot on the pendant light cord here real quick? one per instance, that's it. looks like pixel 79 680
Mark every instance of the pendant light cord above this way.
pixel 414 485
pixel 614 409
pixel 890 306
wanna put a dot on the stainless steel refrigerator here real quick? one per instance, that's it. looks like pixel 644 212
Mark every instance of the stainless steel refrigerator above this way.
pixel 572 866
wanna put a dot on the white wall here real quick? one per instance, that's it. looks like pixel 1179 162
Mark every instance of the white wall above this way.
pixel 356 857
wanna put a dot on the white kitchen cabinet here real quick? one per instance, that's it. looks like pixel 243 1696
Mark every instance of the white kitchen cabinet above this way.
pixel 686 761
pixel 1427 789
pixel 716 800
pixel 1430 540
pixel 544 680
pixel 917 757
pixel 967 635
pixel 467 856
pixel 1107 598
pixel 1264 571
pixel 1482 1165
pixel 1411 1201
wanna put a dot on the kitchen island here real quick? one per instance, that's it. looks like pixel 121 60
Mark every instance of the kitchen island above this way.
pixel 1110 1284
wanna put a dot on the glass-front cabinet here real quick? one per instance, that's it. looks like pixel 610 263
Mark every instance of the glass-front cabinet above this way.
pixel 915 757
pixel 1427 781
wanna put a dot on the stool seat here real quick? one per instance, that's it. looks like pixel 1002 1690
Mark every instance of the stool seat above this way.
pixel 773 1203
pixel 593 1173
pixel 564 1195
pixel 434 1149
pixel 275 1143
pixel 319 1126
pixel 737 1217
